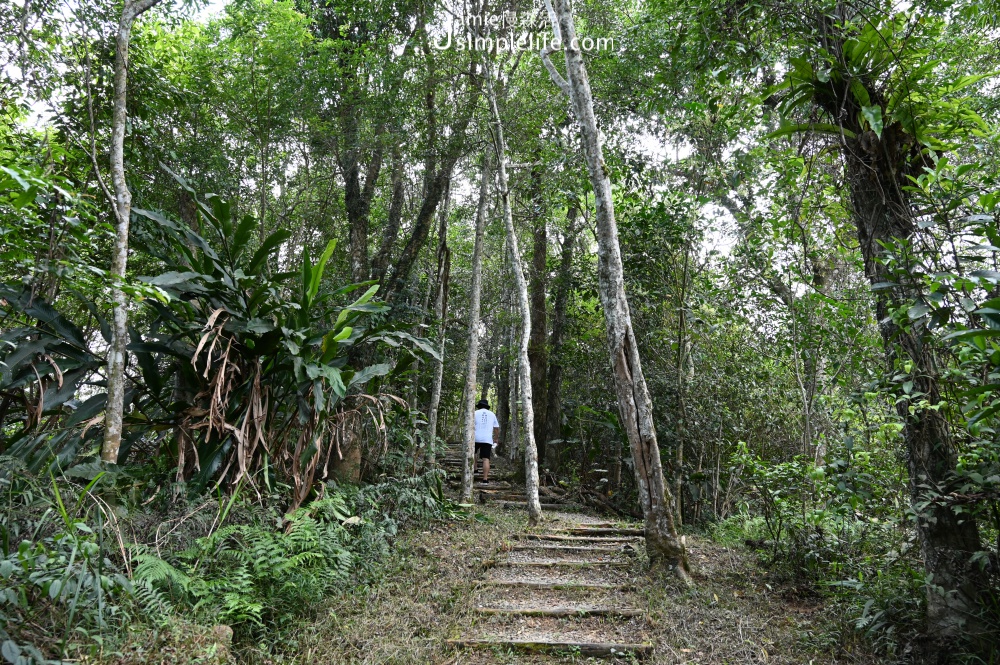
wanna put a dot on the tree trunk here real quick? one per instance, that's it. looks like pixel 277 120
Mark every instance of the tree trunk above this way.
pixel 521 286
pixel 948 541
pixel 473 359
pixel 503 401
pixel 536 286
pixel 685 372
pixel 878 170
pixel 441 314
pixel 514 438
pixel 391 231
pixel 564 279
pixel 662 543
pixel 435 184
pixel 117 354
pixel 357 197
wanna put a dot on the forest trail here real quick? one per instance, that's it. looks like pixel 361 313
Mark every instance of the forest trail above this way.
pixel 562 589
pixel 491 590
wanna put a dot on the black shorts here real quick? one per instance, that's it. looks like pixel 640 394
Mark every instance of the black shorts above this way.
pixel 484 450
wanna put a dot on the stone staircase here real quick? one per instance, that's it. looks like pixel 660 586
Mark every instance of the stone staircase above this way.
pixel 567 589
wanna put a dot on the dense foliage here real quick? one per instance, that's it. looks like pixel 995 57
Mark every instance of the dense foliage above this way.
pixel 807 199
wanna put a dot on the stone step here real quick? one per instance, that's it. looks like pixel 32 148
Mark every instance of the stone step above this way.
pixel 563 548
pixel 577 539
pixel 563 611
pixel 545 506
pixel 569 563
pixel 599 531
pixel 557 586
pixel 586 649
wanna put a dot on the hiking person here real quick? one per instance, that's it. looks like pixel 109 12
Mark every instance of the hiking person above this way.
pixel 487 435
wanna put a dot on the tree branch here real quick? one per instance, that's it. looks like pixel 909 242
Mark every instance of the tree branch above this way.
pixel 557 78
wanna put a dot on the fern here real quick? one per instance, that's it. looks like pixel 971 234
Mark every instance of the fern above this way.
pixel 153 570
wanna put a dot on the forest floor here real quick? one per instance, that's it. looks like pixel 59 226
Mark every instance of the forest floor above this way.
pixel 436 583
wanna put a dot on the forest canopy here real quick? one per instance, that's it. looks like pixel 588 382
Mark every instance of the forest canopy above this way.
pixel 727 267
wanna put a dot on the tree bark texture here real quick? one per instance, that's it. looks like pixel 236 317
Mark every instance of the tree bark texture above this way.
pixel 117 354
pixel 564 280
pixel 537 284
pixel 877 170
pixel 636 408
pixel 357 197
pixel 472 363
pixel 521 287
pixel 441 314
pixel 380 264
pixel 948 540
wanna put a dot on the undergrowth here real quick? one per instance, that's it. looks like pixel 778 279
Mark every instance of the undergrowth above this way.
pixel 75 586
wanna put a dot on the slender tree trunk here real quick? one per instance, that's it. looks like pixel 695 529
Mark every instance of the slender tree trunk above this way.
pixel 683 376
pixel 521 286
pixel 414 388
pixel 117 354
pixel 391 231
pixel 441 314
pixel 553 405
pixel 537 284
pixel 514 438
pixel 662 543
pixel 473 359
pixel 503 400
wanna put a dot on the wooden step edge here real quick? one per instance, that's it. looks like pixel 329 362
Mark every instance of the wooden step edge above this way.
pixel 558 612
pixel 492 485
pixel 564 564
pixel 541 547
pixel 545 506
pixel 588 649
pixel 584 531
pixel 558 586
pixel 573 539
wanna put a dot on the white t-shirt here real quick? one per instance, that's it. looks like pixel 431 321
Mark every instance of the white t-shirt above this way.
pixel 486 420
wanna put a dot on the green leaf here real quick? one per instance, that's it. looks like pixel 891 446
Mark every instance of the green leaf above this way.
pixel 860 92
pixel 358 305
pixel 370 372
pixel 317 274
pixel 391 338
pixel 11 651
pixel 873 114
pixel 242 237
pixel 270 244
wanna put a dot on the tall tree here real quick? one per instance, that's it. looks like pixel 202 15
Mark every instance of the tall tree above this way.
pixel 472 363
pixel 563 286
pixel 521 287
pixel 441 314
pixel 884 137
pixel 636 407
pixel 117 355
pixel 537 285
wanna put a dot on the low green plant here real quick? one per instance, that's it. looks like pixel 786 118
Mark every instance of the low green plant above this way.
pixel 253 576
pixel 61 592
pixel 258 578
